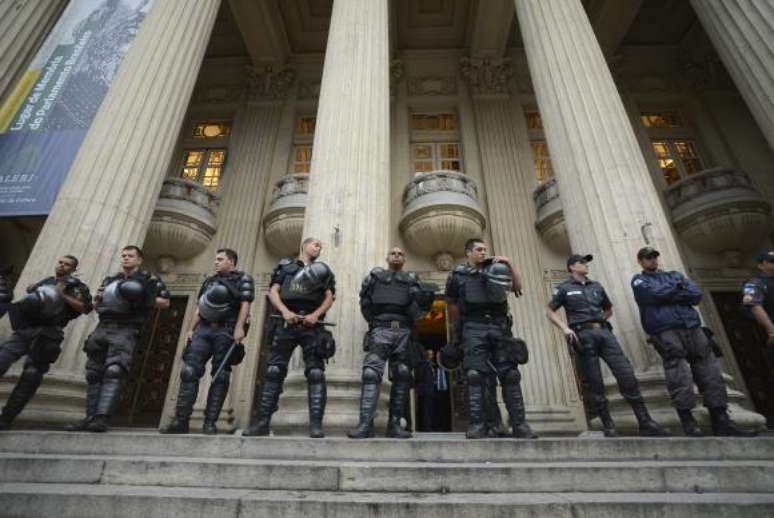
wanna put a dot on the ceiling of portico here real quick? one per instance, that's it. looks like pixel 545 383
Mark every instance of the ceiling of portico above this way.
pixel 661 22
pixel 226 40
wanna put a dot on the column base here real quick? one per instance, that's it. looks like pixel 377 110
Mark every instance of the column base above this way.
pixel 653 388
pixel 342 412
pixel 60 400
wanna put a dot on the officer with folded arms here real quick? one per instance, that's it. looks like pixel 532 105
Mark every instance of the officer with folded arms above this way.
pixel 301 291
pixel 38 320
pixel 666 301
pixel 477 297
pixel 391 301
pixel 124 302
pixel 589 333
pixel 218 324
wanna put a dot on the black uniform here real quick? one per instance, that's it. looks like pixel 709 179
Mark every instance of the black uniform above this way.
pixel 302 289
pixel 489 349
pixel 220 298
pixel 585 303
pixel 759 291
pixel 39 320
pixel 390 302
pixel 127 302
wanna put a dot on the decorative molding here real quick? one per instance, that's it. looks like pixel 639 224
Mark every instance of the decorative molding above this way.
pixel 486 76
pixel 218 94
pixel 432 85
pixel 309 90
pixel 268 84
pixel 705 72
pixel 397 71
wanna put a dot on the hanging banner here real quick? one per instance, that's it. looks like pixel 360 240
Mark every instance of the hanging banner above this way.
pixel 45 119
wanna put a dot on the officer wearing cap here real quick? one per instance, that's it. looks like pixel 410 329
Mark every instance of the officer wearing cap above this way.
pixel 588 332
pixel 124 302
pixel 219 323
pixel 301 290
pixel 38 322
pixel 391 300
pixel 758 299
pixel 477 301
pixel 666 301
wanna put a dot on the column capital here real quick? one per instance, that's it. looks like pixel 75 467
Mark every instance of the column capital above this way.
pixel 487 76
pixel 268 83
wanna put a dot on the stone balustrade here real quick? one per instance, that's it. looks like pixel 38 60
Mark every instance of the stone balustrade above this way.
pixel 283 224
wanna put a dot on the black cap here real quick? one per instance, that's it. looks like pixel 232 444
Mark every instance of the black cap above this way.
pixel 765 255
pixel 576 258
pixel 647 252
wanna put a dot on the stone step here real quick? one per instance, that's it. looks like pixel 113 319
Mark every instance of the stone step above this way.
pixel 423 448
pixel 426 477
pixel 119 501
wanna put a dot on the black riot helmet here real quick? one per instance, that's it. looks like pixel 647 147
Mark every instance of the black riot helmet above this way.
pixel 215 303
pixel 131 290
pixel 45 301
pixel 316 275
pixel 499 281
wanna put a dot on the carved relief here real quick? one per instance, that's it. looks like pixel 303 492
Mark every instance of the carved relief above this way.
pixel 486 76
pixel 309 90
pixel 432 86
pixel 268 83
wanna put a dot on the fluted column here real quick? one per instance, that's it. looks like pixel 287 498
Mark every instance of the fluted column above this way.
pixel 611 207
pixel 349 192
pixel 24 25
pixel 245 182
pixel 509 179
pixel 742 32
pixel 108 197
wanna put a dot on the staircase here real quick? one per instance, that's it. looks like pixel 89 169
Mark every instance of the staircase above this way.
pixel 147 475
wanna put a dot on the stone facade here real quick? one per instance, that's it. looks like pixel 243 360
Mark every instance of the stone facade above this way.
pixel 326 108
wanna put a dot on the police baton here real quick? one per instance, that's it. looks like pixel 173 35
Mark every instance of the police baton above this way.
pixel 319 322
pixel 225 359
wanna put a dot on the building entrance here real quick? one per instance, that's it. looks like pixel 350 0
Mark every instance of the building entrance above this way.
pixel 146 386
pixel 439 396
pixel 747 341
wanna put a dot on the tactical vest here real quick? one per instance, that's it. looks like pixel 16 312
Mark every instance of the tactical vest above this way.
pixel 475 298
pixel 391 294
pixel 221 296
pixel 296 294
pixel 126 299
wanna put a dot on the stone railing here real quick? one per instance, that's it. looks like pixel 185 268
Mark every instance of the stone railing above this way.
pixel 549 216
pixel 719 210
pixel 183 222
pixel 440 212
pixel 283 224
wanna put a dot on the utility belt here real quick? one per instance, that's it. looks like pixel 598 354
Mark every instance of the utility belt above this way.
pixel 219 325
pixel 121 324
pixel 392 324
pixel 590 325
pixel 486 318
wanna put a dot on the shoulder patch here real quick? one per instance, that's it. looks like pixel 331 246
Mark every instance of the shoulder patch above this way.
pixel 637 281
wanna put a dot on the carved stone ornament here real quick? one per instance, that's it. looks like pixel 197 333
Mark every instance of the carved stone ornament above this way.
pixel 486 76
pixel 432 86
pixel 706 71
pixel 397 72
pixel 268 83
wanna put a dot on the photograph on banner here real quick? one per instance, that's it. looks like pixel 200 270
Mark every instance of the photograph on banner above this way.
pixel 48 113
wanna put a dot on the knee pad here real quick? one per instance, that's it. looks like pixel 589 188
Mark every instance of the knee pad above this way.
pixel 223 378
pixel 93 376
pixel 188 373
pixel 371 376
pixel 114 371
pixel 511 377
pixel 400 373
pixel 275 373
pixel 315 376
pixel 474 377
pixel 32 373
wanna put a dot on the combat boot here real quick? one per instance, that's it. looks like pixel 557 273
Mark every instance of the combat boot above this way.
pixel 317 396
pixel 514 403
pixel 724 426
pixel 265 405
pixel 215 398
pixel 92 398
pixel 690 426
pixel 186 397
pixel 369 398
pixel 608 425
pixel 494 419
pixel 25 388
pixel 476 425
pixel 648 427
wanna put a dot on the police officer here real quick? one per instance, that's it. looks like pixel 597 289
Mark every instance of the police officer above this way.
pixel 666 301
pixel 124 302
pixel 391 301
pixel 587 330
pixel 477 293
pixel 302 291
pixel 758 299
pixel 38 320
pixel 219 322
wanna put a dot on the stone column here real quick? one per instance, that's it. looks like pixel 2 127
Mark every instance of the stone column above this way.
pixel 610 203
pixel 24 25
pixel 108 197
pixel 348 200
pixel 245 182
pixel 509 179
pixel 742 32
